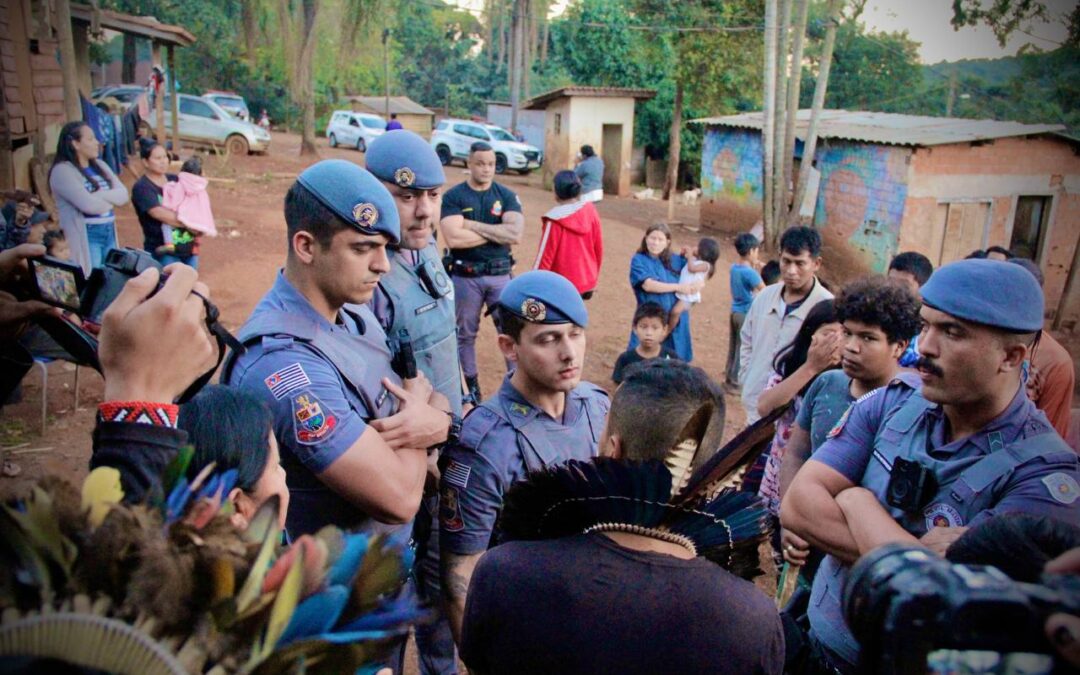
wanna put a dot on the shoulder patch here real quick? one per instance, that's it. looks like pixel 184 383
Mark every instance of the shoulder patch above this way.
pixel 450 510
pixel 1062 487
pixel 457 474
pixel 287 379
pixel 519 409
pixel 942 515
pixel 312 421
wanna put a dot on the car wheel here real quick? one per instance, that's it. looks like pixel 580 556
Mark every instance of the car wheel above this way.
pixel 444 155
pixel 236 145
pixel 500 164
pixel 524 172
pixel 361 145
pixel 333 141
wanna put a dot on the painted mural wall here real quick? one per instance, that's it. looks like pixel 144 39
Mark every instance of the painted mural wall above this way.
pixel 731 166
pixel 861 198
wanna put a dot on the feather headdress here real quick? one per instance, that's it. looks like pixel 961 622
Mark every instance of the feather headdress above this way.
pixel 174 587
pixel 695 504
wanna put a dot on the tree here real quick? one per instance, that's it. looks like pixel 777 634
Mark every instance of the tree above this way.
pixel 305 80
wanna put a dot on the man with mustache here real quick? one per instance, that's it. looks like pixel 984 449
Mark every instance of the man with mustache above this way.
pixel 920 466
pixel 415 306
pixel 542 416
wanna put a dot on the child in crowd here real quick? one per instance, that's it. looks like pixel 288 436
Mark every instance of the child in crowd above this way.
pixel 56 245
pixel 700 266
pixel 650 327
pixel 187 197
pixel 770 273
pixel 745 283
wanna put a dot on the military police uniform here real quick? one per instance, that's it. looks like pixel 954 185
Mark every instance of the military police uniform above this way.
pixel 506 436
pixel 1016 463
pixel 322 381
pixel 415 304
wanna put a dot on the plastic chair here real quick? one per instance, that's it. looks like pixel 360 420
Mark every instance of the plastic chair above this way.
pixel 44 362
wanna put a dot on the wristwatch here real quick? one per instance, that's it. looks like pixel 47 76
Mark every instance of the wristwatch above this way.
pixel 452 434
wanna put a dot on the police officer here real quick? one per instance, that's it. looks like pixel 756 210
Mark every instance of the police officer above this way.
pixel 542 416
pixel 481 220
pixel 319 359
pixel 415 306
pixel 910 465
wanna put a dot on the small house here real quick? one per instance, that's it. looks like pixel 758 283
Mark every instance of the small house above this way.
pixel 940 186
pixel 602 117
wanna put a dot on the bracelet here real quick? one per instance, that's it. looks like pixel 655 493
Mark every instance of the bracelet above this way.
pixel 140 412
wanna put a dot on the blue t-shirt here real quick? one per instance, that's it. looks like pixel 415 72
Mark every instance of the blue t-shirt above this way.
pixel 744 279
pixel 483 207
pixel 823 405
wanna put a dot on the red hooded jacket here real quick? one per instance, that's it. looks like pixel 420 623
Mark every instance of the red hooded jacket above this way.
pixel 572 244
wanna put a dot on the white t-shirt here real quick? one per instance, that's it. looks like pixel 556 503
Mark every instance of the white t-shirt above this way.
pixel 688 277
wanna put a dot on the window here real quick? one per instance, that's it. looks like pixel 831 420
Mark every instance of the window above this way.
pixel 1029 227
pixel 196 108
pixel 353 122
pixel 500 135
pixel 478 133
pixel 373 123
pixel 461 129
pixel 558 124
pixel 441 126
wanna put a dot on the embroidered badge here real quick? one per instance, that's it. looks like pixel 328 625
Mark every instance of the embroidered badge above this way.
pixel 287 379
pixel 404 177
pixel 312 423
pixel 365 215
pixel 942 515
pixel 835 431
pixel 533 310
pixel 457 474
pixel 496 208
pixel 450 510
pixel 1062 487
pixel 519 409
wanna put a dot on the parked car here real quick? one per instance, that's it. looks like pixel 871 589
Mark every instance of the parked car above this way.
pixel 125 93
pixel 205 123
pixel 233 103
pixel 452 139
pixel 354 129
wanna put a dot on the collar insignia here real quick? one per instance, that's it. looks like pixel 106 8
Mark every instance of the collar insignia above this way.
pixel 519 409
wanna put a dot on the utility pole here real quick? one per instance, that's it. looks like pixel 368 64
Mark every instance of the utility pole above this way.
pixel 516 34
pixel 386 71
pixel 810 145
pixel 768 135
pixel 794 85
pixel 952 94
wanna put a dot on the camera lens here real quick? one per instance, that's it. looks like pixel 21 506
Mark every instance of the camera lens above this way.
pixel 900 488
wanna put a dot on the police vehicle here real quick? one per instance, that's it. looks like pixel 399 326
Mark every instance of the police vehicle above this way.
pixel 452 139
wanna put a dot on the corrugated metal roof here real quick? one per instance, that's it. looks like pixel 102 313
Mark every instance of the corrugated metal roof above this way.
pixel 401 105
pixel 894 129
pixel 599 92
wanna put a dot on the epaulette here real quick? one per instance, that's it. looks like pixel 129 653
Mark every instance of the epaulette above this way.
pixel 477 425
pixel 593 389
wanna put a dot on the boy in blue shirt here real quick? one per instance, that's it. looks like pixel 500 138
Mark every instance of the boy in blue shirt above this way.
pixel 745 283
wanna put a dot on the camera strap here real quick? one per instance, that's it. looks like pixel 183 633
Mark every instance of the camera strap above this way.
pixel 223 338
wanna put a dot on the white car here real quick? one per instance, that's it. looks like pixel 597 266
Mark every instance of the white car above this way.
pixel 205 123
pixel 354 129
pixel 452 139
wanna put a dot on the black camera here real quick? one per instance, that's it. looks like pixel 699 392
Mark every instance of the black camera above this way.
pixel 914 612
pixel 61 283
pixel 911 485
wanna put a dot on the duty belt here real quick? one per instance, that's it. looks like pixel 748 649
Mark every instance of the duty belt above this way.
pixel 488 268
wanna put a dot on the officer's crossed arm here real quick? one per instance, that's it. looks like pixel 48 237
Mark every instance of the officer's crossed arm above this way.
pixel 385 483
pixel 507 233
pixel 455 235
pixel 809 509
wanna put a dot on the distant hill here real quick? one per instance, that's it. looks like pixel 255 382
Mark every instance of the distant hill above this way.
pixel 994 72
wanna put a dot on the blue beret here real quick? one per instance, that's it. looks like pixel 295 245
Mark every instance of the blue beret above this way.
pixel 990 292
pixel 404 159
pixel 354 195
pixel 541 296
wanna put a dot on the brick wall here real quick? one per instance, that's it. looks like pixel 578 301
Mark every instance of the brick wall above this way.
pixel 39 101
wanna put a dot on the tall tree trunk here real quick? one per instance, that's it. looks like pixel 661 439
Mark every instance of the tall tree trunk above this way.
pixel 489 31
pixel 516 61
pixel 504 41
pixel 779 205
pixel 794 85
pixel 249 18
pixel 289 48
pixel 127 60
pixel 545 25
pixel 306 79
pixel 528 32
pixel 768 136
pixel 674 150
pixel 810 146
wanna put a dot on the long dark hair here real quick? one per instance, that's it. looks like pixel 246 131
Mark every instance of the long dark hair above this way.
pixel 230 427
pixel 665 255
pixel 65 152
pixel 792 357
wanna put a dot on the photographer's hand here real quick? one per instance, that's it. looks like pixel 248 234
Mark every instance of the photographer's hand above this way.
pixel 13 267
pixel 153 348
pixel 1064 629
pixel 15 316
pixel 939 539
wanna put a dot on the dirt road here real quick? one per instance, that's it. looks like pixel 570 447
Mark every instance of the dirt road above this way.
pixel 239 266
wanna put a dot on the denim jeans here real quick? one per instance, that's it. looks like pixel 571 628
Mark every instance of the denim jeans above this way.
pixel 101 238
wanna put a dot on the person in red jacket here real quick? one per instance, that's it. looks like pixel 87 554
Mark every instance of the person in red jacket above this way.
pixel 572 243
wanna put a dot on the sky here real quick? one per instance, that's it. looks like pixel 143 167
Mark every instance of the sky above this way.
pixel 927 22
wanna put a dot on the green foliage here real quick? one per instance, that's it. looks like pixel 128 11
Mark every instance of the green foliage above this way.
pixel 432 55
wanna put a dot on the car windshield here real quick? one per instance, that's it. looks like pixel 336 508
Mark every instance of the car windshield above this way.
pixel 230 103
pixel 372 123
pixel 500 134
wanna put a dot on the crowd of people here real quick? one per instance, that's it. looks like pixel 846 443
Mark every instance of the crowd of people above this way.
pixel 352 398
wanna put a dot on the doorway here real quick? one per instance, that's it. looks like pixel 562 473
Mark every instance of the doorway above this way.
pixel 1029 227
pixel 611 153
pixel 963 226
